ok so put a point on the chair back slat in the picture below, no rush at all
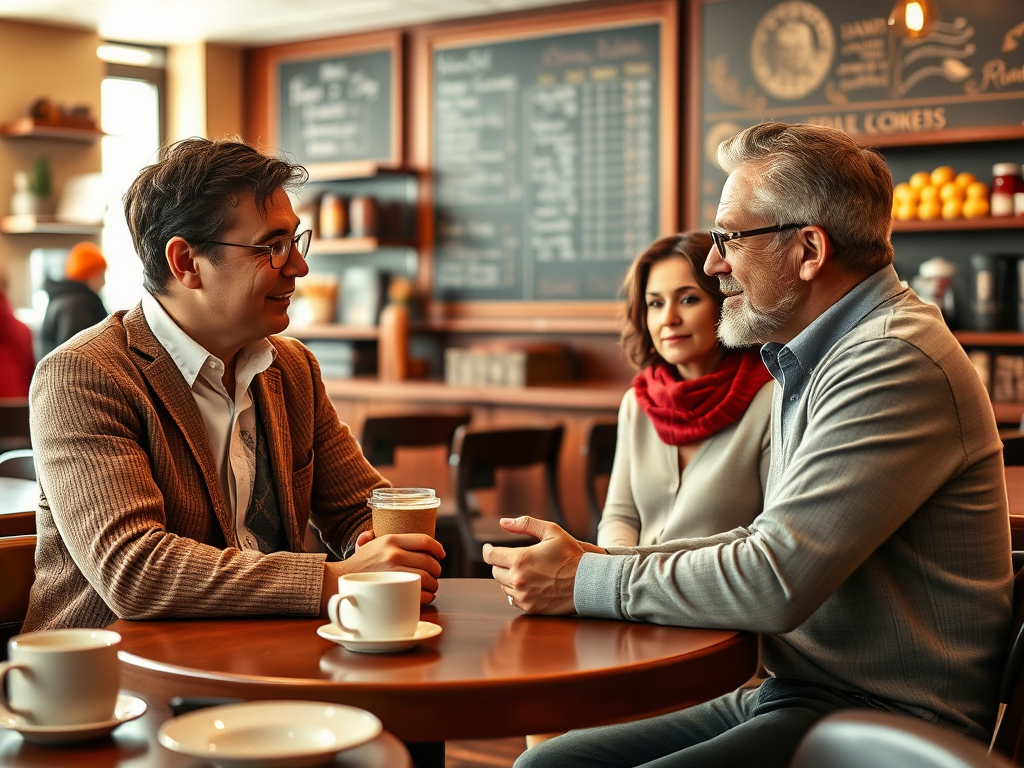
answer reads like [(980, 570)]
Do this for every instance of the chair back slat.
[(17, 573), (383, 434), (599, 455), (18, 463)]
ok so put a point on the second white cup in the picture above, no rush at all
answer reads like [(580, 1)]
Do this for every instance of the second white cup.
[(377, 605), (61, 677)]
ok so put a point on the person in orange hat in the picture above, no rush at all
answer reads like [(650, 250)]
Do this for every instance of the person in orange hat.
[(75, 303)]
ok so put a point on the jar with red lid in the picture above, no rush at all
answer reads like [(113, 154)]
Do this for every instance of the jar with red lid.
[(1006, 185)]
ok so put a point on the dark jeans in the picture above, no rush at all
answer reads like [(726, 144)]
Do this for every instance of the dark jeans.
[(748, 727)]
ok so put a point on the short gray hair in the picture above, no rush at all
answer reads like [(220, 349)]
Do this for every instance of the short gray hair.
[(811, 174)]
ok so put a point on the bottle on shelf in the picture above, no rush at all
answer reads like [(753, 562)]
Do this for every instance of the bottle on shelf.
[(333, 222), (1006, 185)]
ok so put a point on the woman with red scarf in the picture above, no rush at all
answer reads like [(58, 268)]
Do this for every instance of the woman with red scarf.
[(693, 432)]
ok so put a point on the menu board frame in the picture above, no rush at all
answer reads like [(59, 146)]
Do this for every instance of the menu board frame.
[(850, 115), (264, 66), (529, 26)]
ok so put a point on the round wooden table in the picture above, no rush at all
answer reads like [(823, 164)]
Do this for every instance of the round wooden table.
[(493, 672), (134, 745)]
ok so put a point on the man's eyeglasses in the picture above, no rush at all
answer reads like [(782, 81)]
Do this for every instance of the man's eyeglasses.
[(279, 250), (721, 238)]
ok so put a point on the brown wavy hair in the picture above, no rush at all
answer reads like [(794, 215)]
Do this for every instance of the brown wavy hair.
[(692, 246)]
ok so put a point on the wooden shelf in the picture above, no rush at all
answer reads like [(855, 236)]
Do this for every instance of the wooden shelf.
[(954, 136), (342, 245), (990, 338), (581, 395), (597, 326), (353, 169), (45, 225), (27, 128), (332, 331), (953, 225)]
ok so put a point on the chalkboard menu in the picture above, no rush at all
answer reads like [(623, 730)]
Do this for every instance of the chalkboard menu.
[(838, 63), (337, 109), (546, 161)]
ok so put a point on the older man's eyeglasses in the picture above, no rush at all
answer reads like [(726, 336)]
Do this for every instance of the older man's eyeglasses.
[(279, 250), (721, 238)]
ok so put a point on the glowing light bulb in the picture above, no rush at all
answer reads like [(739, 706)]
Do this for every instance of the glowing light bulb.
[(915, 17)]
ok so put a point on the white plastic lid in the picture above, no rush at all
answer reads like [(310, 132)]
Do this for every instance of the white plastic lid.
[(937, 267)]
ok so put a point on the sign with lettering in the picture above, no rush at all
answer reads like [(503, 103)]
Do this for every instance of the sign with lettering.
[(336, 109), (545, 153), (840, 64)]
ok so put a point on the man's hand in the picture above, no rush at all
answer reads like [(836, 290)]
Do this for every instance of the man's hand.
[(412, 552), (539, 578)]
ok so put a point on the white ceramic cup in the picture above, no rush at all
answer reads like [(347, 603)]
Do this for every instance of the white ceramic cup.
[(61, 677), (377, 605)]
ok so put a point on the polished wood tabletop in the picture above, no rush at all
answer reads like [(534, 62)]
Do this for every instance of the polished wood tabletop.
[(134, 745), (17, 495), (493, 671)]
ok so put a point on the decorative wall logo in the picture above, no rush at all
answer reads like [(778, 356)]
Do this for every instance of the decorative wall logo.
[(792, 49)]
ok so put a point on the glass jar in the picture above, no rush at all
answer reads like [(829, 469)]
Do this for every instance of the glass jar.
[(1006, 185)]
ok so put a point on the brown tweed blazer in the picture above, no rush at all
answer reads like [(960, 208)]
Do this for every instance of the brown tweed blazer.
[(132, 521)]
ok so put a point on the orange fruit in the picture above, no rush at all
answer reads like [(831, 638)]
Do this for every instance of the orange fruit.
[(975, 208), (929, 209), (929, 194), (951, 209), (965, 179), (906, 211), (942, 175), (920, 179), (950, 191), (977, 190)]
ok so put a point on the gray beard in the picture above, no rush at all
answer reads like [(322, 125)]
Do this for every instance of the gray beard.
[(745, 325)]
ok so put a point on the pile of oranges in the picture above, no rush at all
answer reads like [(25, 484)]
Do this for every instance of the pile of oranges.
[(943, 193)]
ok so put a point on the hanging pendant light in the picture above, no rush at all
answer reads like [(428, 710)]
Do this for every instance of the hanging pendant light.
[(913, 18)]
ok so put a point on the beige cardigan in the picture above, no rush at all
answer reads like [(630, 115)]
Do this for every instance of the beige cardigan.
[(132, 521)]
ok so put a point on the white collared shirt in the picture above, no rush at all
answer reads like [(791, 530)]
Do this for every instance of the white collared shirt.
[(229, 418)]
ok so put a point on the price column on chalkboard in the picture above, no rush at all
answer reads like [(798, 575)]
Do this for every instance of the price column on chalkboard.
[(545, 155)]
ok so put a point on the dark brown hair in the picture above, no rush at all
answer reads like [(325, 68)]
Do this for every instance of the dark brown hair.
[(692, 246), (190, 194)]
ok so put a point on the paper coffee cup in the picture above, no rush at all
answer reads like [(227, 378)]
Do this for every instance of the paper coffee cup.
[(404, 510)]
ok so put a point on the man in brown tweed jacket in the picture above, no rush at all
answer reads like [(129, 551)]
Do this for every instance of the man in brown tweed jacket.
[(182, 447)]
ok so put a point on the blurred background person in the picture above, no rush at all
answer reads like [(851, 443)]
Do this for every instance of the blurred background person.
[(693, 445), (17, 361), (75, 303)]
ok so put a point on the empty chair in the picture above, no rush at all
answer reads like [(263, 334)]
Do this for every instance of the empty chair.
[(476, 457), (860, 738), (14, 432), (18, 463), (18, 524), (599, 454), (17, 572), (383, 434), (1008, 737)]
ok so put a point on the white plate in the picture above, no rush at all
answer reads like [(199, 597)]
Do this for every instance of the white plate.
[(424, 629), (261, 734), (127, 708)]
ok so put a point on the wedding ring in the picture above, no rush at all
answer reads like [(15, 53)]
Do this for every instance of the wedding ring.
[(510, 600)]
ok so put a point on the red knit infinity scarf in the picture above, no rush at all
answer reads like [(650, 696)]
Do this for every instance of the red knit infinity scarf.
[(686, 412)]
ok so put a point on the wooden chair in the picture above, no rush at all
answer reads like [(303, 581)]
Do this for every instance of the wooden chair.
[(14, 431), (858, 738), (18, 524), (17, 572), (1008, 736), (598, 456), (476, 457), (382, 435), (18, 463)]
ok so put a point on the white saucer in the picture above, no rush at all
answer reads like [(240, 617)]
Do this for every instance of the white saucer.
[(266, 734), (127, 708), (424, 629)]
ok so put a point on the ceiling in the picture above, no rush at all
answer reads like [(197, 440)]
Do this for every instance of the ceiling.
[(248, 22)]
